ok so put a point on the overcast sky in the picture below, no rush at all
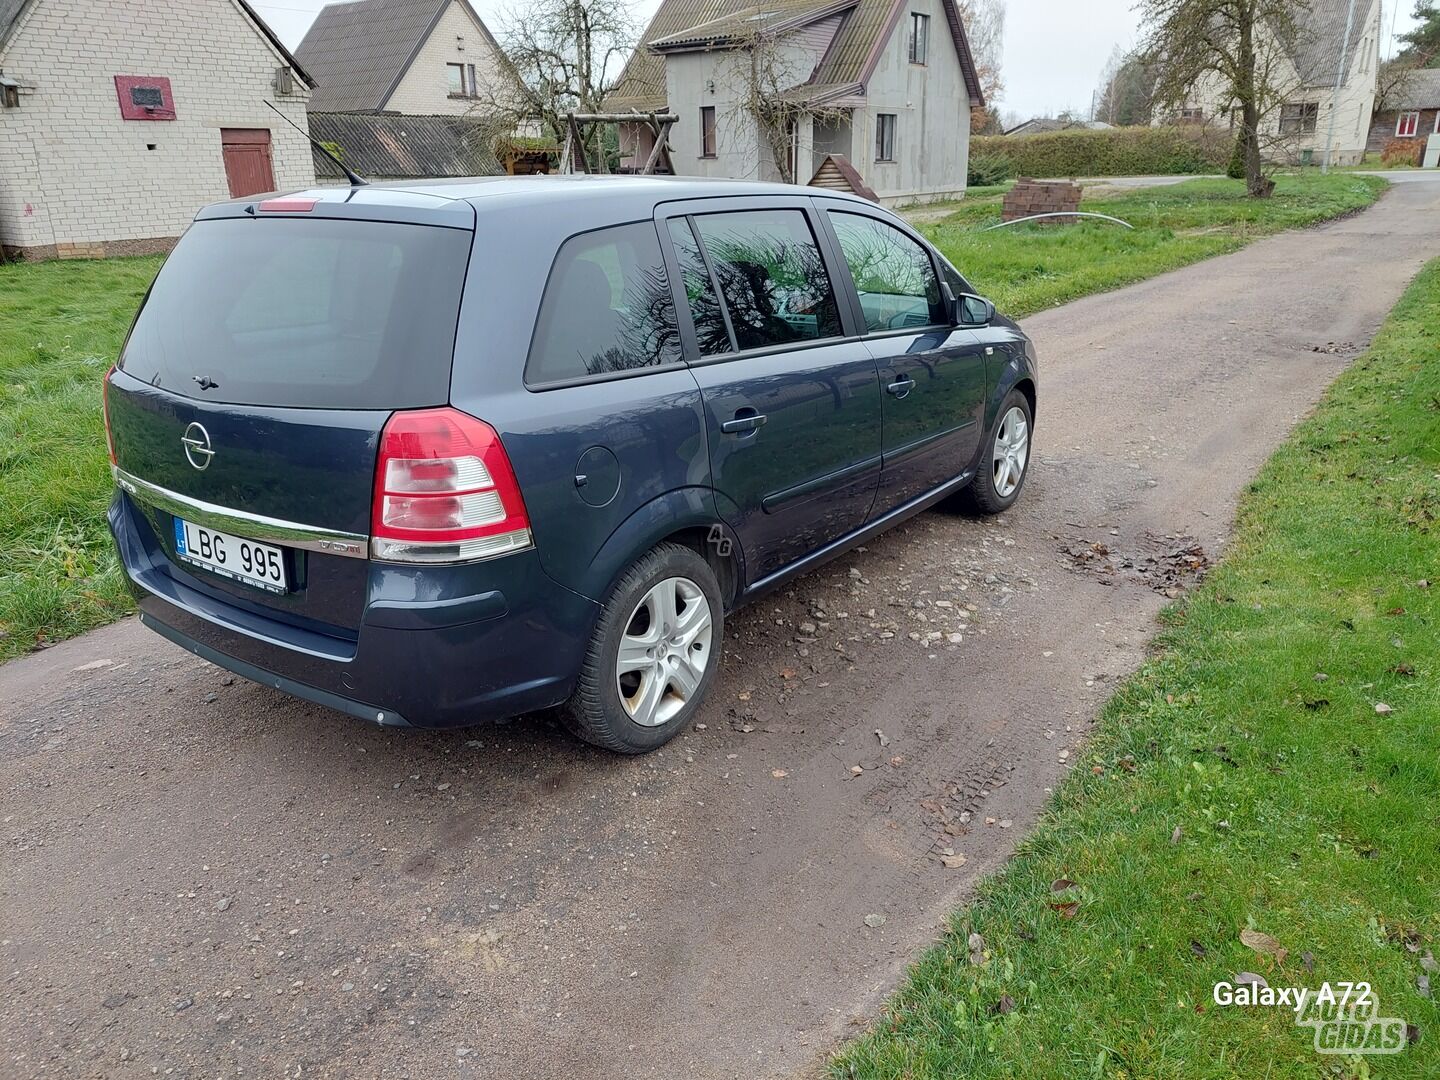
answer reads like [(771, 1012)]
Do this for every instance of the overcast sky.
[(1054, 49)]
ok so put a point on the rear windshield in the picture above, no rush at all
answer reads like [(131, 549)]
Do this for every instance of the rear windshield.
[(307, 313)]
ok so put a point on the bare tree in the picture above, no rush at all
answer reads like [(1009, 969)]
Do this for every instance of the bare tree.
[(1241, 45), (563, 56), (1126, 91), (984, 23)]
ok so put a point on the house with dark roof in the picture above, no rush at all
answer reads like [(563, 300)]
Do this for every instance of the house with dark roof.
[(118, 120), (1410, 113), (403, 87), (1329, 42), (878, 90)]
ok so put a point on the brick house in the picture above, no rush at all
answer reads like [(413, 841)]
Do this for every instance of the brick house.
[(118, 120), (1412, 114)]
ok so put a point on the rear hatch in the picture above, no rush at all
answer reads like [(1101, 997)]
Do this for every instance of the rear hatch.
[(254, 385)]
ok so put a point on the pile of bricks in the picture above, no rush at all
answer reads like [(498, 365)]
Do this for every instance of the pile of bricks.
[(1030, 197)]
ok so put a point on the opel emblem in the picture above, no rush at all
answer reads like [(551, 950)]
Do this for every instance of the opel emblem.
[(196, 441)]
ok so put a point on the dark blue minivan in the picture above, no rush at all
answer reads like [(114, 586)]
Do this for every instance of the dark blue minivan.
[(436, 454)]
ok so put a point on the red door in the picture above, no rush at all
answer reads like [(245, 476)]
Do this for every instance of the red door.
[(247, 161)]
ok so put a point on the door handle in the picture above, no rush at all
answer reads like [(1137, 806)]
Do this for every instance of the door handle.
[(901, 386), (746, 421)]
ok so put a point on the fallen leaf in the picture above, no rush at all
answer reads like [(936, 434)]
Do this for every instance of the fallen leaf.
[(1249, 978), (1264, 944), (1175, 836), (952, 862), (1060, 884), (779, 774), (1199, 950), (787, 673), (857, 770), (1004, 1005), (1308, 959), (884, 739), (873, 921), (1422, 983), (1066, 910), (1382, 709), (897, 760)]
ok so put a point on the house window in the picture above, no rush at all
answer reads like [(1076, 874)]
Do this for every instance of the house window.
[(1408, 125), (707, 131), (884, 136), (1191, 116), (461, 80), (1299, 118), (919, 38)]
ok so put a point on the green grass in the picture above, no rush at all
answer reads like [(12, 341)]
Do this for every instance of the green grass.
[(61, 324), (1303, 812), (1026, 268)]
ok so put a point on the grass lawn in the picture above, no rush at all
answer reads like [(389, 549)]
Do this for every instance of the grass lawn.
[(1025, 268), (1274, 768), (61, 325)]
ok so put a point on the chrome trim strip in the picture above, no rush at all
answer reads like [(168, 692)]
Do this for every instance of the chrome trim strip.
[(251, 526)]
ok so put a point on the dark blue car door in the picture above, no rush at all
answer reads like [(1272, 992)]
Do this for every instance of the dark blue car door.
[(933, 374), (791, 396)]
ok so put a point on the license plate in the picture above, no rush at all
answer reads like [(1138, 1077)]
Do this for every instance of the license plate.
[(260, 565)]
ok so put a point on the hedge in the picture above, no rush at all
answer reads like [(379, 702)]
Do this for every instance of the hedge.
[(1129, 151)]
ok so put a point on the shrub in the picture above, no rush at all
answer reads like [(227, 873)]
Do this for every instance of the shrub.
[(1401, 152), (988, 170), (1236, 169), (1132, 151)]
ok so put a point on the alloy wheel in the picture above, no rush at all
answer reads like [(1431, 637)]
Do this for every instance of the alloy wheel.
[(1011, 453), (664, 651)]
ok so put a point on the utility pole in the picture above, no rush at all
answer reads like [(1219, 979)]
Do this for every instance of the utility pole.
[(1339, 81)]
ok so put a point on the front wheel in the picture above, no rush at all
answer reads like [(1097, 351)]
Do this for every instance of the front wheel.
[(653, 655), (1006, 460)]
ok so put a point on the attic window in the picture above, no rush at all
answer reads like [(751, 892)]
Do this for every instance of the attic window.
[(145, 97)]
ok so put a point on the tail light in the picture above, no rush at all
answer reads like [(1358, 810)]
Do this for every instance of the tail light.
[(105, 411), (445, 491)]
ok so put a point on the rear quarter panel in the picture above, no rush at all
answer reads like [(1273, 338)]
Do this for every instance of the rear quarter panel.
[(653, 423)]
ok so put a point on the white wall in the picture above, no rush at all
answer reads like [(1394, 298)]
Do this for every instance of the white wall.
[(932, 108), (73, 171), (424, 89), (1351, 109)]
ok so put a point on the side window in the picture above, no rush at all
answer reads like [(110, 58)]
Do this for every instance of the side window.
[(771, 276), (714, 339), (893, 274), (606, 308)]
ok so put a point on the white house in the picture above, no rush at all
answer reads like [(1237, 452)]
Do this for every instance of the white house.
[(118, 120), (412, 57), (885, 87), (1306, 68)]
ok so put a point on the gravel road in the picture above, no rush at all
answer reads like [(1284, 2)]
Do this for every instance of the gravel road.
[(201, 878)]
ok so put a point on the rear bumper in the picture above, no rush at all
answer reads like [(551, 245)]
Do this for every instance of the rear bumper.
[(511, 642)]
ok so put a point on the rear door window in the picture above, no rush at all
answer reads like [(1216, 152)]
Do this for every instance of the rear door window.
[(320, 313), (607, 308), (711, 332), (771, 276), (893, 275)]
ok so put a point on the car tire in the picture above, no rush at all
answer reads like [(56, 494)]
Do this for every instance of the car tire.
[(996, 486), (639, 703)]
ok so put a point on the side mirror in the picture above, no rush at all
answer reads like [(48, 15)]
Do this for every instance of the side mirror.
[(971, 310)]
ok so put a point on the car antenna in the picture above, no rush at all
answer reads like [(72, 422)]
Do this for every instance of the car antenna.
[(356, 180)]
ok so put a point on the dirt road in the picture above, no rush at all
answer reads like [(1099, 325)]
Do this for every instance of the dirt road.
[(200, 876)]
